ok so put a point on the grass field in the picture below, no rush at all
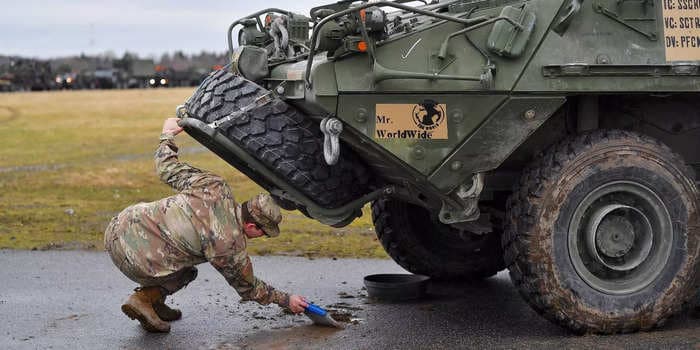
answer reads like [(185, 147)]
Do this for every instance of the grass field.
[(71, 160)]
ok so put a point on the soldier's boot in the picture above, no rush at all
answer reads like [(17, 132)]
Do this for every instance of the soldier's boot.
[(139, 307), (174, 282), (165, 312)]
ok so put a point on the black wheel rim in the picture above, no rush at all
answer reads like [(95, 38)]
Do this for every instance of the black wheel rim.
[(620, 238)]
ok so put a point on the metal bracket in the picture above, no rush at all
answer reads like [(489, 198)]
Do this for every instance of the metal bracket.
[(615, 17), (469, 196), (331, 129), (259, 102), (620, 70), (564, 20), (181, 111)]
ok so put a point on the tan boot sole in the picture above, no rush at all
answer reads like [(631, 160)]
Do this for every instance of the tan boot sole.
[(135, 314)]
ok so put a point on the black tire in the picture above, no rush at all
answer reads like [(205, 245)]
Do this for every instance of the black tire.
[(421, 244), (602, 233), (286, 141)]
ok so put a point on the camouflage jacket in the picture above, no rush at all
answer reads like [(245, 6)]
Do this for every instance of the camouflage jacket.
[(201, 223)]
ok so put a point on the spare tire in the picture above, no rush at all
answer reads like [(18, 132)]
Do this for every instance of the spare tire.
[(286, 141)]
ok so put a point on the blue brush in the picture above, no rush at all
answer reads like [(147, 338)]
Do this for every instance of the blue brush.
[(321, 317)]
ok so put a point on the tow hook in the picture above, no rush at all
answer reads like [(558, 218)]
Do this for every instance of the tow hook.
[(331, 129), (467, 208)]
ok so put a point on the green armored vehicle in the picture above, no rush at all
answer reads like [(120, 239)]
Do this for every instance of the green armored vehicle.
[(556, 138)]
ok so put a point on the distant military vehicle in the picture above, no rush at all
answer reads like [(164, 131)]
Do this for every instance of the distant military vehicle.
[(140, 73), (5, 83), (67, 81), (556, 138), (29, 75)]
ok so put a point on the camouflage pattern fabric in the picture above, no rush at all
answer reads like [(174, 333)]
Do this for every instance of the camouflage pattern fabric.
[(153, 242), (266, 213)]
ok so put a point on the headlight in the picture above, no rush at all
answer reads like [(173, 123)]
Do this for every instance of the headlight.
[(69, 80), (163, 81), (152, 82), (58, 80)]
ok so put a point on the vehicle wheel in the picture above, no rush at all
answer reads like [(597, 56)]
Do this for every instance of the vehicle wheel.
[(282, 138), (602, 233), (421, 244)]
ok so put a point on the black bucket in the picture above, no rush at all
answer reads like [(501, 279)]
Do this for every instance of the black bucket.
[(396, 287)]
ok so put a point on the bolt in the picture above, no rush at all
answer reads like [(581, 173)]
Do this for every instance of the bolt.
[(419, 152), (457, 116), (530, 115), (361, 116), (456, 166)]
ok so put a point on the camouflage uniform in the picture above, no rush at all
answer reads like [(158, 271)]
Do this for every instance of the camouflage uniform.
[(159, 243)]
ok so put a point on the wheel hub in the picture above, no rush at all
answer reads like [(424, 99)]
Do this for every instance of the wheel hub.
[(619, 237), (615, 236)]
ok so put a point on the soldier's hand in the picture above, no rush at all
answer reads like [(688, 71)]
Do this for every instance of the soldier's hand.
[(297, 304), (170, 126)]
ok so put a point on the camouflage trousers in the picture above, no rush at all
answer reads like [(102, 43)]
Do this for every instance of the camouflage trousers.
[(114, 245)]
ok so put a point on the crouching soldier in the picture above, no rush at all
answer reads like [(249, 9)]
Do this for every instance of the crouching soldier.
[(158, 244)]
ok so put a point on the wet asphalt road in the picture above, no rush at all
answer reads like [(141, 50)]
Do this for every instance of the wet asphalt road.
[(70, 300)]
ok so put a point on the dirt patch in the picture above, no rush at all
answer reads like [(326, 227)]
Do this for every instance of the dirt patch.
[(8, 114)]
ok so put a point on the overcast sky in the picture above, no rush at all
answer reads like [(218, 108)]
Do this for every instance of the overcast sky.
[(56, 28)]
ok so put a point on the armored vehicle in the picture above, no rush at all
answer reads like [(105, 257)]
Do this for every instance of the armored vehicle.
[(556, 138)]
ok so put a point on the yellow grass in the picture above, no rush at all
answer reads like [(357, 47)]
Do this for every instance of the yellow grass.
[(71, 160)]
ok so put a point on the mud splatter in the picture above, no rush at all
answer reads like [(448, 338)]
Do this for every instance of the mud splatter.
[(341, 315), (344, 306), (344, 295)]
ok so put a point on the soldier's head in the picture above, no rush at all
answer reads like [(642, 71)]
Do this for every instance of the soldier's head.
[(261, 216)]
